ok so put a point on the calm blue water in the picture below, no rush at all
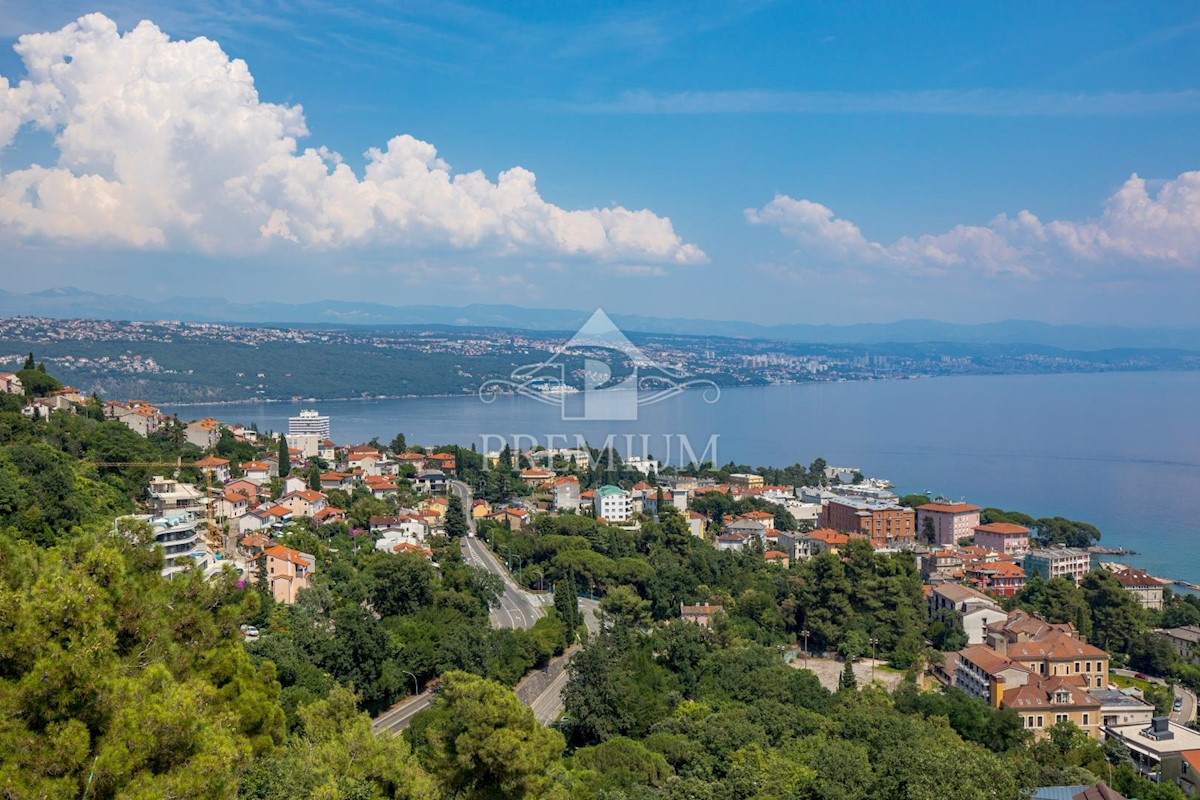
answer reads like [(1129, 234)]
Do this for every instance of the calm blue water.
[(1120, 450)]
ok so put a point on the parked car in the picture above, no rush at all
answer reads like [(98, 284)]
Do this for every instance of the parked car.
[(1179, 704), (249, 631)]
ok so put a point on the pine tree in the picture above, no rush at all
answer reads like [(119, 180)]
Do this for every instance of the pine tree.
[(314, 478), (285, 459), (848, 681), (566, 603), (28, 362), (42, 367)]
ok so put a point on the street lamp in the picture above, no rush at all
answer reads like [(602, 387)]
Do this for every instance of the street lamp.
[(416, 686), (804, 633), (874, 642)]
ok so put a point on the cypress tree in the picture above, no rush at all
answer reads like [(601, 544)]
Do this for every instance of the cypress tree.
[(848, 681), (285, 460), (28, 361)]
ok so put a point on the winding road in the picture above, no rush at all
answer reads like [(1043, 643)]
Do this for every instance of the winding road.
[(517, 609)]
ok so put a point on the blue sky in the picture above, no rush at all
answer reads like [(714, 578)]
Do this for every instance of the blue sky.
[(763, 161)]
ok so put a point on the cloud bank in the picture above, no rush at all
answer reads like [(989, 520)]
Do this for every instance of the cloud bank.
[(1160, 229), (166, 144)]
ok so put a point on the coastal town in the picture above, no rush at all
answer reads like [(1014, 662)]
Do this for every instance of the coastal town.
[(238, 512), (190, 362)]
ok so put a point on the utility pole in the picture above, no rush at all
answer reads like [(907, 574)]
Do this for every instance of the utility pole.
[(416, 686)]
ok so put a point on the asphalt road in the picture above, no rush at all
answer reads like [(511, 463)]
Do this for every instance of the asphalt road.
[(1186, 713), (518, 609)]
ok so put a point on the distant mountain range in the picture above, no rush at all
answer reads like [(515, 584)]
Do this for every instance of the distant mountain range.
[(70, 303)]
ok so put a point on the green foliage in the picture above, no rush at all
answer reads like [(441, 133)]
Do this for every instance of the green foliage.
[(456, 519), (479, 741), (37, 383), (847, 681), (109, 670), (334, 754), (914, 500), (285, 458)]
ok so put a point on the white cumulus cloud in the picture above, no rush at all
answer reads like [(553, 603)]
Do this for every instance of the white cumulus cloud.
[(166, 144), (1137, 226)]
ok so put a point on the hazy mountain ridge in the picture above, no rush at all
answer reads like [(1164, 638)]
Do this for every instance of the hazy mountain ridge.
[(71, 303)]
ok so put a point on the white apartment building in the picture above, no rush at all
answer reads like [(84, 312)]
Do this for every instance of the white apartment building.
[(179, 535), (308, 423), (169, 496), (614, 504)]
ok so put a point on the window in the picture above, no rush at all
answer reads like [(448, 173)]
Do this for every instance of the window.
[(1076, 667), (1086, 718), (1039, 721), (1029, 721), (1061, 717)]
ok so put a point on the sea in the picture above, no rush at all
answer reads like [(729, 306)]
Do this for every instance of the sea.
[(1118, 450)]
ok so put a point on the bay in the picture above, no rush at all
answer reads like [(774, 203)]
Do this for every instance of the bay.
[(1119, 450)]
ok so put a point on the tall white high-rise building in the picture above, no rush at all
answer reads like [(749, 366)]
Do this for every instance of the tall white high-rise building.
[(309, 423)]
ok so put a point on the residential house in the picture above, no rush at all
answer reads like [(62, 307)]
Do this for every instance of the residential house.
[(257, 472), (329, 514), (215, 468), (1003, 537), (1000, 577), (777, 557), (327, 451), (142, 418), (253, 491), (517, 518), (446, 462), (431, 481), (480, 509), (566, 493), (230, 505), (697, 522), (10, 383), (294, 484), (288, 572), (368, 462), (535, 476), (252, 545), (265, 517), (1185, 641), (732, 541), (303, 503), (414, 460), (381, 486), (1058, 562), (1146, 588), (950, 521), (750, 528), (822, 540), (974, 610), (167, 496), (699, 615), (337, 480), (204, 433)]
